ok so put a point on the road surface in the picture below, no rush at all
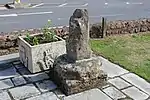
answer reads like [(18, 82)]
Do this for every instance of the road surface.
[(59, 11)]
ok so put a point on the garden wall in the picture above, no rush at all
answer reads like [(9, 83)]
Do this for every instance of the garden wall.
[(8, 41), (121, 27)]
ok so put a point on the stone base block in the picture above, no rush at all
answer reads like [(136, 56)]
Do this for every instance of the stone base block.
[(78, 76)]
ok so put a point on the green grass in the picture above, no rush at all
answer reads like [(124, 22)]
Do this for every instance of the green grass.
[(130, 51)]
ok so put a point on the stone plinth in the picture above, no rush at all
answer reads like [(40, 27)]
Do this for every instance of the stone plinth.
[(79, 76)]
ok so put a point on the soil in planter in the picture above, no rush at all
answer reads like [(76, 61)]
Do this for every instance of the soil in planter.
[(41, 40)]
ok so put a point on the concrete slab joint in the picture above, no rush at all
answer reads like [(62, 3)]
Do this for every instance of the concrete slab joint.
[(77, 70)]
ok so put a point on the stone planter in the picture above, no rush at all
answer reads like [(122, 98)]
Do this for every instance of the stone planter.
[(40, 57)]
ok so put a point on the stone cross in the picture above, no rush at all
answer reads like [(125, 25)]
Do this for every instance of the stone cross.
[(77, 44), (78, 71)]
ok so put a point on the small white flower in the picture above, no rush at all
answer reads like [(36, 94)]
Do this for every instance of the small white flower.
[(49, 20), (127, 3), (106, 3)]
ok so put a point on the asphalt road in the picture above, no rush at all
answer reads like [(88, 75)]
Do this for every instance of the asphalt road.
[(59, 11)]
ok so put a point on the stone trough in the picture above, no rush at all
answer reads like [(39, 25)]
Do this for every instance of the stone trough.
[(40, 57)]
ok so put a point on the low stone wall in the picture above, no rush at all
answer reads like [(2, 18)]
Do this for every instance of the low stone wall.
[(9, 40), (121, 27), (113, 27)]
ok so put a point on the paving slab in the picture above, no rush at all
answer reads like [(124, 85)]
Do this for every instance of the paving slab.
[(93, 94), (114, 93), (7, 71), (45, 96), (24, 91), (59, 94), (138, 82), (19, 80), (37, 77), (105, 86), (33, 77), (19, 66), (119, 83), (4, 96), (7, 83), (127, 98), (135, 93), (46, 85), (24, 71), (69, 98), (112, 69)]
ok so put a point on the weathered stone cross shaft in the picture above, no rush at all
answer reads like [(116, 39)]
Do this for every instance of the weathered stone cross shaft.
[(78, 41)]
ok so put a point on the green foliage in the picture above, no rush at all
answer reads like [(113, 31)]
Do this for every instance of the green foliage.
[(49, 34), (134, 35), (17, 1), (61, 98), (28, 37), (35, 41)]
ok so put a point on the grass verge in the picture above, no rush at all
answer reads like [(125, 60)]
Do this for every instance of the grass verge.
[(131, 51)]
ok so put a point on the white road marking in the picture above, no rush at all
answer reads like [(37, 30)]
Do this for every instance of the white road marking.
[(77, 6), (23, 14), (9, 15), (62, 18), (36, 13), (59, 18), (136, 3), (69, 5), (86, 4), (9, 22), (38, 5), (52, 3), (62, 5)]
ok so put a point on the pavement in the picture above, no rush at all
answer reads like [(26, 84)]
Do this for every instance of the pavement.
[(17, 83), (59, 11)]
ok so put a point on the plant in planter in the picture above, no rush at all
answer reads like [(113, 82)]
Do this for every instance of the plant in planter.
[(47, 36), (38, 52), (17, 1)]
